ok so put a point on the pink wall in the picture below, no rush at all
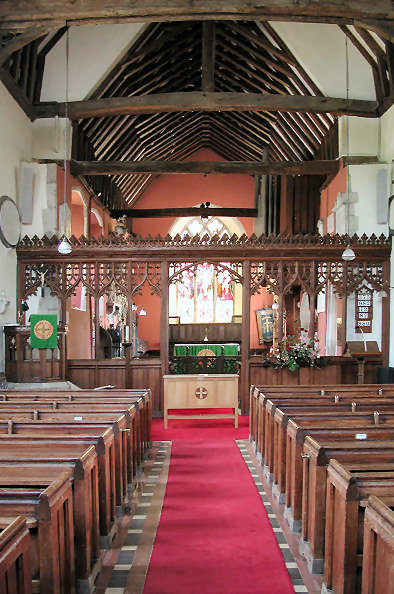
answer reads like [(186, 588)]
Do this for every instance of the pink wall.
[(171, 191), (77, 219), (73, 204), (149, 325)]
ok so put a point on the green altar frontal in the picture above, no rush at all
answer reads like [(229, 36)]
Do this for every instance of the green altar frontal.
[(205, 358), (206, 350)]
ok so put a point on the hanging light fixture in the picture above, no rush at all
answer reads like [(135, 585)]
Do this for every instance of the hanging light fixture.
[(64, 247), (348, 253)]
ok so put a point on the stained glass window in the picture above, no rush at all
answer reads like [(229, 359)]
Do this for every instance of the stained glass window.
[(203, 293)]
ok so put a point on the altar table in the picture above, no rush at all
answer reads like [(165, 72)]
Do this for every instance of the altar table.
[(201, 391)]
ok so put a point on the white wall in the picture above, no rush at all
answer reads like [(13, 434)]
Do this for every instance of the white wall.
[(373, 138), (321, 50), (15, 146), (93, 50), (49, 140), (364, 136), (387, 154)]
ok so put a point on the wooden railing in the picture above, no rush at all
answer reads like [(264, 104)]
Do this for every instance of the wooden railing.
[(185, 365)]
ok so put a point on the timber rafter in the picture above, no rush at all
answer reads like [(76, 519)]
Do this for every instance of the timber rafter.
[(195, 79)]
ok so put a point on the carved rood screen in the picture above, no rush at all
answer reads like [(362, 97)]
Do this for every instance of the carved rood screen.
[(277, 263), (66, 279)]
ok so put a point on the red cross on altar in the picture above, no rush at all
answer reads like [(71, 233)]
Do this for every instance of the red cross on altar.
[(201, 393)]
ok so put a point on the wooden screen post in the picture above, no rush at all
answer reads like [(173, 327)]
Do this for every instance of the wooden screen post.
[(164, 329), (245, 338)]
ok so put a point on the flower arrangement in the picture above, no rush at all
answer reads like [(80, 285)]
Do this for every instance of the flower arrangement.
[(294, 352)]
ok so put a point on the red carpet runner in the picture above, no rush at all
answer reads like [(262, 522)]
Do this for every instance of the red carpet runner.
[(214, 536)]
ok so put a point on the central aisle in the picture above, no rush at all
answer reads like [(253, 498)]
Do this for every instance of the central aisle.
[(214, 535)]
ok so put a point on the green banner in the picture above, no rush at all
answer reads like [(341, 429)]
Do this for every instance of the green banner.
[(43, 331)]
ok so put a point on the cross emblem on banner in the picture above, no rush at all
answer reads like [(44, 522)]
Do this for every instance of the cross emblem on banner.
[(201, 393)]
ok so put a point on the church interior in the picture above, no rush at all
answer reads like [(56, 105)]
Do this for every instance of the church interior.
[(196, 312)]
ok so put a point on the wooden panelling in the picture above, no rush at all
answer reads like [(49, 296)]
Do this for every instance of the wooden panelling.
[(187, 333), (147, 374), (138, 373), (335, 370)]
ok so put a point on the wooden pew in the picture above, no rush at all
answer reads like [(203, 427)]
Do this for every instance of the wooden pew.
[(122, 444), (330, 389), (15, 558), (263, 416), (258, 396), (48, 510), (315, 462), (103, 437), (288, 445), (378, 548), (315, 405), (23, 461), (347, 494), (141, 397), (138, 437), (135, 452), (344, 410), (289, 431)]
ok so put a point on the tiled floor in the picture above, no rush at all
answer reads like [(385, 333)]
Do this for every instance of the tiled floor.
[(125, 565)]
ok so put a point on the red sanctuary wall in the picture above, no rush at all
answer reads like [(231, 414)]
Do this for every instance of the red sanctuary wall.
[(172, 191), (329, 196), (77, 220), (73, 183)]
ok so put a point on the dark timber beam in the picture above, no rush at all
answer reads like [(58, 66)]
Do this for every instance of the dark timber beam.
[(142, 213), (18, 12), (34, 32), (185, 167), (206, 101)]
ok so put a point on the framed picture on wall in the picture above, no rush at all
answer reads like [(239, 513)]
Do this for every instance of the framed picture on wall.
[(265, 324)]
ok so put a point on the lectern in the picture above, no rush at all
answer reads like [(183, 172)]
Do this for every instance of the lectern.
[(362, 351)]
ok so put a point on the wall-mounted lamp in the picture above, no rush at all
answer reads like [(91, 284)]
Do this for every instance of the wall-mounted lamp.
[(3, 302), (348, 254)]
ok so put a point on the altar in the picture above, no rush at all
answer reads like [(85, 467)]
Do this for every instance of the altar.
[(206, 349), (205, 358), (200, 391)]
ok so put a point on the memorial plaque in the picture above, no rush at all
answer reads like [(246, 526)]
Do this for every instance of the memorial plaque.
[(364, 310)]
